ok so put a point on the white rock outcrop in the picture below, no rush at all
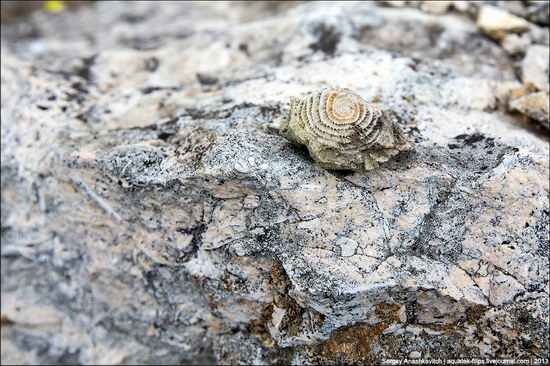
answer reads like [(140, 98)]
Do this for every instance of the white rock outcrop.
[(151, 213), (497, 23)]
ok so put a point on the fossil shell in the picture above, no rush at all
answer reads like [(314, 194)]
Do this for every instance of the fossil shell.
[(342, 131)]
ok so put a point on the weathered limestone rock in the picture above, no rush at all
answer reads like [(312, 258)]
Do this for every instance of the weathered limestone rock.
[(520, 91), (151, 213), (515, 44), (436, 7), (535, 67), (534, 105), (497, 23)]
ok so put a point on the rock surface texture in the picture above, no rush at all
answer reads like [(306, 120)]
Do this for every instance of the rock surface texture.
[(151, 213)]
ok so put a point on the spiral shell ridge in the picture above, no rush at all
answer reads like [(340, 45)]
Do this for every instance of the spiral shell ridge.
[(343, 131)]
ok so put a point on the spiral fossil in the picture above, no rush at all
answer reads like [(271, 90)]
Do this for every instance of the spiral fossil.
[(342, 131)]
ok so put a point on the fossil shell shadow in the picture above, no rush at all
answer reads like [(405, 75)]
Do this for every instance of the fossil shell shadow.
[(342, 131)]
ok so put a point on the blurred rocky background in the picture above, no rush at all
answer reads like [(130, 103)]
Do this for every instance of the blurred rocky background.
[(151, 213)]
